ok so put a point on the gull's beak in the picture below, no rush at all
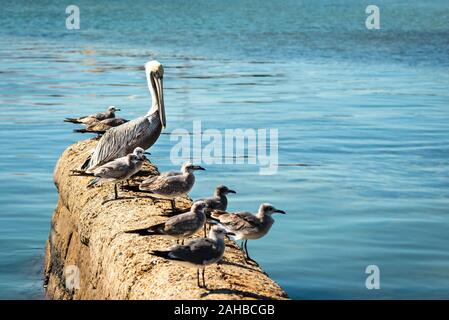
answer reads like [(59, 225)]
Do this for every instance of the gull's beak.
[(231, 191), (279, 211), (198, 168), (230, 233), (160, 97)]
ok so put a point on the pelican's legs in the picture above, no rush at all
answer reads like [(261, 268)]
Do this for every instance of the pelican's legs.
[(205, 230), (173, 204)]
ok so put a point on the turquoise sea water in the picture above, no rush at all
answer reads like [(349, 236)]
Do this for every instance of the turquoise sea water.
[(367, 111)]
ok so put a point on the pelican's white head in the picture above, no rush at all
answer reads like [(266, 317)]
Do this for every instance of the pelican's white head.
[(154, 66), (155, 73)]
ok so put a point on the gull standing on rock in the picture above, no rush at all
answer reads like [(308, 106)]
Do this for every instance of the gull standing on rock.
[(198, 253), (87, 120), (119, 169), (247, 226), (100, 127), (141, 132), (170, 185), (218, 202), (180, 226)]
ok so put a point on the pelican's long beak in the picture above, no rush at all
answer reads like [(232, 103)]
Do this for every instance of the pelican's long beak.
[(279, 211), (231, 191), (160, 97)]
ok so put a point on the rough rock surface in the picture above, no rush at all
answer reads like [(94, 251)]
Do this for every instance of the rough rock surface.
[(114, 265)]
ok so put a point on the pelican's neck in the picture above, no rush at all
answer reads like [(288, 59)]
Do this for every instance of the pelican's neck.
[(154, 102)]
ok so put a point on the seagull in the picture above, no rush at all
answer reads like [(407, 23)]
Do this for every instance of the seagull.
[(119, 169), (100, 127), (218, 202), (170, 185), (87, 120), (141, 132), (198, 253), (180, 226), (245, 225)]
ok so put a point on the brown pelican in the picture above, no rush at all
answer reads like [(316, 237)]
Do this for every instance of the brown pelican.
[(119, 169), (100, 127), (180, 226), (198, 253), (141, 132), (245, 225), (87, 120)]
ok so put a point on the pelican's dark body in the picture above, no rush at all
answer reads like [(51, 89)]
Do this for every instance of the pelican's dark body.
[(119, 141)]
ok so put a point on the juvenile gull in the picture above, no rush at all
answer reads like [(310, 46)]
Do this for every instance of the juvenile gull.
[(247, 226), (141, 132), (170, 185), (180, 226), (218, 202), (100, 127), (119, 169), (87, 120), (198, 253)]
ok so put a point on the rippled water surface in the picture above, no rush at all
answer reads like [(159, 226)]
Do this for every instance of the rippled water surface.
[(365, 112)]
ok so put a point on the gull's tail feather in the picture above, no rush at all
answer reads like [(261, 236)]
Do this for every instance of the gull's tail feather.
[(211, 219), (150, 231), (85, 165), (93, 182), (89, 131), (82, 173), (72, 120), (161, 254), (216, 213), (131, 188)]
